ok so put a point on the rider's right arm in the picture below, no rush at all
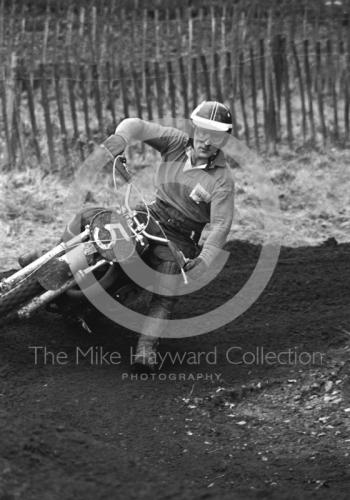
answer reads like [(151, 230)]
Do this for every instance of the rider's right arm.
[(159, 137), (163, 139), (103, 154)]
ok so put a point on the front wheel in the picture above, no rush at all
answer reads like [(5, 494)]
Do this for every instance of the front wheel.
[(18, 295)]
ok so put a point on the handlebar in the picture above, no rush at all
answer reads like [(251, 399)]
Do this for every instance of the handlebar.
[(120, 165)]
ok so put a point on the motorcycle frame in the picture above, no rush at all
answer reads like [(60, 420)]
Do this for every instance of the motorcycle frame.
[(27, 310), (20, 275)]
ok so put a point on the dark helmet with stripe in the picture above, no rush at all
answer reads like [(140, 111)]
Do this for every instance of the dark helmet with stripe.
[(212, 115)]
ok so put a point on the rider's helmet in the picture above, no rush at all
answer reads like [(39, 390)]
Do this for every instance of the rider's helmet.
[(212, 115)]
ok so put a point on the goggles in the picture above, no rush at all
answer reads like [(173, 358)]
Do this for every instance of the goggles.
[(212, 137)]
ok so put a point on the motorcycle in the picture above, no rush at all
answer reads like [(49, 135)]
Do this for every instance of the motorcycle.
[(56, 279)]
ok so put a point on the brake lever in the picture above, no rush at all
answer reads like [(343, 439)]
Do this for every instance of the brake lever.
[(180, 259), (120, 165)]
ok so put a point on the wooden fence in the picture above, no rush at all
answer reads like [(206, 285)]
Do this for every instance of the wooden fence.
[(286, 79), (94, 30)]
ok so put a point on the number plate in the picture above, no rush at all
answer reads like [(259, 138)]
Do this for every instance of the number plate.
[(112, 236)]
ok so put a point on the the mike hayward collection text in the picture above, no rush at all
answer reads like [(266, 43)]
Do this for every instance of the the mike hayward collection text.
[(234, 355)]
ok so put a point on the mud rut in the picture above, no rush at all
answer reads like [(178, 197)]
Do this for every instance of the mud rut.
[(279, 431)]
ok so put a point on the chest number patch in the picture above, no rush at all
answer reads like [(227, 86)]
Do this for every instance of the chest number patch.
[(199, 194)]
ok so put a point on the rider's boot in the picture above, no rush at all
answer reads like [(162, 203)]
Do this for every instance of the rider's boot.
[(161, 307), (145, 358)]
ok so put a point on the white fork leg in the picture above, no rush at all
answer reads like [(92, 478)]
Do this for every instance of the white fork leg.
[(6, 283), (27, 310)]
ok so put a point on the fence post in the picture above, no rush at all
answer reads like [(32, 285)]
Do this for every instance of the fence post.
[(157, 30), (27, 80), (85, 103), (179, 29), (22, 45), (159, 89), (97, 94), (71, 95), (136, 85), (69, 29), (194, 83), (308, 80), (108, 39), (94, 48), (190, 46), (254, 96), (124, 91), (270, 92), (329, 65), (60, 109), (46, 33), (227, 75), (5, 118), (319, 90), (271, 115), (144, 45), (301, 88), (200, 30), (171, 91), (278, 55), (33, 45), (228, 78), (55, 57), (183, 83), (223, 28), (10, 100), (218, 92), (263, 82), (18, 123), (242, 97), (148, 94), (288, 99), (47, 117), (81, 33), (167, 32), (110, 92), (333, 67), (213, 47), (205, 76)]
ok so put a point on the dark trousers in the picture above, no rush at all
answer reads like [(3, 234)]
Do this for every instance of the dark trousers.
[(163, 261), (159, 258), (160, 306)]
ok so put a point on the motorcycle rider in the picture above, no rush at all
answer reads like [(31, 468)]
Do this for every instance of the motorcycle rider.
[(194, 186)]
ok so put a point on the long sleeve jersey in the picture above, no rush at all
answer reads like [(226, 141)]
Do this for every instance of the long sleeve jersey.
[(204, 195)]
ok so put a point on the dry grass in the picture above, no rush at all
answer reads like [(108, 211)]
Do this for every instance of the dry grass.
[(313, 190)]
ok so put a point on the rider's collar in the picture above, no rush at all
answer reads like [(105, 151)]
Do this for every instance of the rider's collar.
[(217, 161)]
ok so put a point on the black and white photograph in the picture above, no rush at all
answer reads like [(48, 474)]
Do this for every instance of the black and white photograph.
[(174, 249)]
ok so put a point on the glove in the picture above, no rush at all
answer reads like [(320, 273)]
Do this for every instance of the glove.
[(197, 267), (95, 162), (115, 144)]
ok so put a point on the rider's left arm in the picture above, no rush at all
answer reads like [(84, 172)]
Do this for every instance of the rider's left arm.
[(221, 216)]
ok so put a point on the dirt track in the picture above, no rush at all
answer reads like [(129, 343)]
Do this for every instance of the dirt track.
[(261, 431)]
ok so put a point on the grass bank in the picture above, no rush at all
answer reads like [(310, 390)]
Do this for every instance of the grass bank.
[(312, 188)]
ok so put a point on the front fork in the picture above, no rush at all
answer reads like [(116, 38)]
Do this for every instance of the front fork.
[(27, 310), (72, 256), (7, 283)]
